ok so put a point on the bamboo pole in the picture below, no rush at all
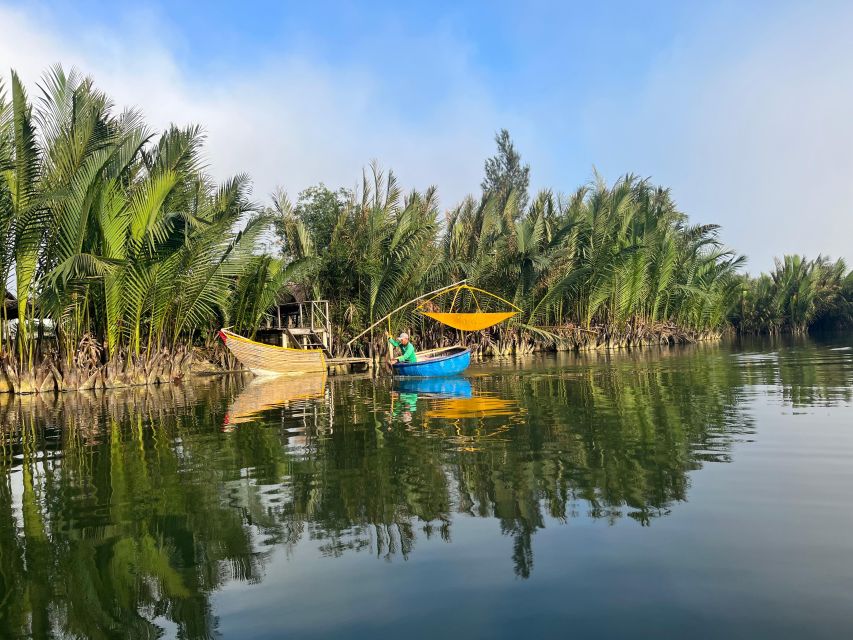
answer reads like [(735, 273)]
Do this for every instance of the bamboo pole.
[(403, 306)]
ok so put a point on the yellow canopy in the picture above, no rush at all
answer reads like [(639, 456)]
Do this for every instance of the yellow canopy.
[(470, 321), (467, 321)]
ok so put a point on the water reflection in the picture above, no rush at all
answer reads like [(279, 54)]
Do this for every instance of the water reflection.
[(407, 391), (265, 394), (454, 399), (122, 513), (452, 410), (448, 387), (808, 373), (111, 516)]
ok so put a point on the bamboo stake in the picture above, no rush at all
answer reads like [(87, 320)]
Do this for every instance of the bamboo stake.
[(426, 295)]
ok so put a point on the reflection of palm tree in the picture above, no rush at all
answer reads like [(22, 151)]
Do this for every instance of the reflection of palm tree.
[(158, 548), (14, 609), (166, 510), (522, 553)]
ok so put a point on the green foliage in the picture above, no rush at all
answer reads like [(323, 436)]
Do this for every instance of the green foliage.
[(318, 208), (603, 256), (606, 256), (798, 294), (111, 233), (505, 173)]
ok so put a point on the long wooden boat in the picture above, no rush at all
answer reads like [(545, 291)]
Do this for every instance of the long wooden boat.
[(269, 360), (438, 362)]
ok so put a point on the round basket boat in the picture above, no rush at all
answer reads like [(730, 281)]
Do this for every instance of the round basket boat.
[(440, 362)]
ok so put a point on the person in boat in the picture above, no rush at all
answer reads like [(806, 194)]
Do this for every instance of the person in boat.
[(405, 346)]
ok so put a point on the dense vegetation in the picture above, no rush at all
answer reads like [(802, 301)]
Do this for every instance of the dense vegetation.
[(606, 265), (796, 296), (122, 253), (116, 243)]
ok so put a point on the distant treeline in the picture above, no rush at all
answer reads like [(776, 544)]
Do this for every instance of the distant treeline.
[(797, 295), (120, 252), (605, 265)]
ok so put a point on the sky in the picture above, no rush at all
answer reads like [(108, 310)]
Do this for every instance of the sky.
[(744, 109)]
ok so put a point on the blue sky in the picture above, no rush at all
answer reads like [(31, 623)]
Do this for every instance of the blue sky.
[(742, 108)]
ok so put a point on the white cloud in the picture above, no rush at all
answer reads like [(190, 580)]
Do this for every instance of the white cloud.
[(746, 117), (286, 121), (753, 128)]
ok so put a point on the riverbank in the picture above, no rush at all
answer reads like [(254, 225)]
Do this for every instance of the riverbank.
[(86, 371)]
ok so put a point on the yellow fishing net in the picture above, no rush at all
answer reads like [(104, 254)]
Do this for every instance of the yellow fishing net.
[(471, 320)]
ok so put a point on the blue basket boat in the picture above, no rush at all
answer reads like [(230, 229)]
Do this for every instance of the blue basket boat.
[(440, 362)]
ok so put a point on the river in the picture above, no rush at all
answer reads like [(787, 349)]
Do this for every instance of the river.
[(702, 491)]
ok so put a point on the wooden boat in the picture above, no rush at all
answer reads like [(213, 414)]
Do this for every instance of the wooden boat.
[(437, 362), (269, 360)]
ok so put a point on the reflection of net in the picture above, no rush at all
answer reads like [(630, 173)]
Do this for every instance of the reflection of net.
[(470, 420), (261, 395), (476, 407)]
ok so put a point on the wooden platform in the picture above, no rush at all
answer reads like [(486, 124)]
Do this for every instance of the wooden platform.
[(338, 366)]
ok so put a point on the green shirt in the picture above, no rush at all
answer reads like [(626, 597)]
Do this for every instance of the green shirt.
[(408, 351)]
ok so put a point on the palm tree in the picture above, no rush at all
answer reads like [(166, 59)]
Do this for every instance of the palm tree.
[(112, 235), (121, 247), (382, 249), (798, 294)]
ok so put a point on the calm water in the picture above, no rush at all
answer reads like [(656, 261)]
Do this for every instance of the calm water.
[(703, 492)]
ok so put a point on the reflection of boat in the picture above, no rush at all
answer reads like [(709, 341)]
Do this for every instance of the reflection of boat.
[(452, 398), (269, 360), (263, 394), (455, 387), (438, 362)]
